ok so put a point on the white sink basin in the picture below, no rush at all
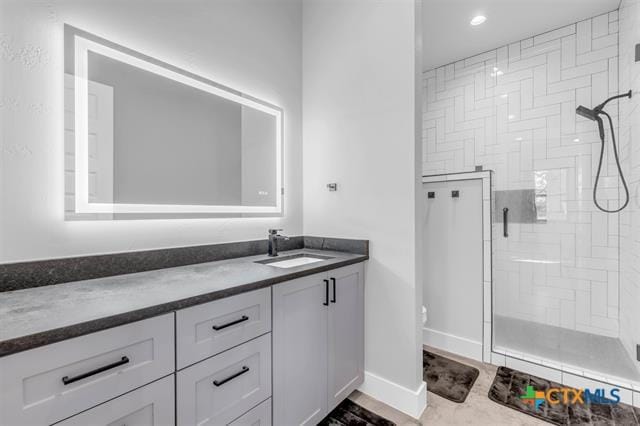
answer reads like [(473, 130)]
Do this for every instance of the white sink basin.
[(294, 260)]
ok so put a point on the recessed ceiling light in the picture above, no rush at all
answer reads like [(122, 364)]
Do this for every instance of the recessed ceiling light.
[(518, 139), (576, 140), (504, 96), (511, 117), (477, 20)]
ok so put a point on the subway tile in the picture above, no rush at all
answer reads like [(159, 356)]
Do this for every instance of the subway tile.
[(599, 86), (555, 34), (569, 84), (598, 298), (583, 36), (597, 55), (613, 75), (568, 52), (466, 122), (554, 66), (605, 41), (599, 26), (584, 70), (514, 52)]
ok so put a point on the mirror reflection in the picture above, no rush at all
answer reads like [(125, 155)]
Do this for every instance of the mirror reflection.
[(143, 137)]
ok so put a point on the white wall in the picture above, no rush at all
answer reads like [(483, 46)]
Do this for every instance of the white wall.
[(630, 154), (512, 110), (253, 46), (359, 130)]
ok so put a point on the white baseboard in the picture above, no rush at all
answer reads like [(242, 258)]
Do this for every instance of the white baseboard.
[(454, 344), (411, 402)]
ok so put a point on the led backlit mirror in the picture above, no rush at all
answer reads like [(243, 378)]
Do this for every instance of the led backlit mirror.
[(145, 139)]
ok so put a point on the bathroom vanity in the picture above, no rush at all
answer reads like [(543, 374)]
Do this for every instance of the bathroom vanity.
[(237, 341)]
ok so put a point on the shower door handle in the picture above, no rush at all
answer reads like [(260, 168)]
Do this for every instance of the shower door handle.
[(505, 222)]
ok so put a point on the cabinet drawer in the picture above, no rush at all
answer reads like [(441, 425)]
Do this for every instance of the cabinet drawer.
[(257, 416), (206, 330), (150, 405), (48, 384), (221, 389)]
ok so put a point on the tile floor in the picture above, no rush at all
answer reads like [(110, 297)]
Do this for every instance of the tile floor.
[(478, 409)]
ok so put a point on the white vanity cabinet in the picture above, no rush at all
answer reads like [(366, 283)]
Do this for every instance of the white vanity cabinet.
[(318, 344), (47, 384), (208, 329), (222, 388), (284, 355), (151, 405), (345, 333), (257, 416)]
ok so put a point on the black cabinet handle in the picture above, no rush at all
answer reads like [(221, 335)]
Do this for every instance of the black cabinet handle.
[(333, 281), (233, 376), (68, 380), (505, 222), (326, 293), (229, 324)]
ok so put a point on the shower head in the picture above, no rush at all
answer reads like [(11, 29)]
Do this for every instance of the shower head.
[(593, 114), (585, 112)]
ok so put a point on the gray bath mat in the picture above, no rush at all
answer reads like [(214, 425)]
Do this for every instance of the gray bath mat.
[(448, 378), (510, 386), (348, 413)]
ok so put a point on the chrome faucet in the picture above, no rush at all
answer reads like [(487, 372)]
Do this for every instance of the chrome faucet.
[(273, 241)]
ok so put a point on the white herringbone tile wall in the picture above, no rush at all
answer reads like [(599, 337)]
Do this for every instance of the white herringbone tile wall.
[(512, 110), (630, 153)]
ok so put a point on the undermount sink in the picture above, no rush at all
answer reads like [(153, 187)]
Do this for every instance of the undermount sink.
[(294, 260)]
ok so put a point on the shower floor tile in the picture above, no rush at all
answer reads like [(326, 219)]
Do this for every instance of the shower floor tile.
[(602, 355)]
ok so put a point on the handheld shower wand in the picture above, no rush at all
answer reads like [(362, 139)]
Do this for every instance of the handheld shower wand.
[(594, 115)]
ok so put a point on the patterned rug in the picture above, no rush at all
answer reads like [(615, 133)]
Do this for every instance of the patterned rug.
[(348, 413), (509, 385), (448, 378)]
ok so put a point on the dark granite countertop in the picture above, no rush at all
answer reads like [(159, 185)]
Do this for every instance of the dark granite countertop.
[(42, 315)]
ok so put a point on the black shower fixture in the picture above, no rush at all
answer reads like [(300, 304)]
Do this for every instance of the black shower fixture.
[(594, 115)]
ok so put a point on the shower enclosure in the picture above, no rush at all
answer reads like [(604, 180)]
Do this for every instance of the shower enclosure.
[(556, 271), (556, 264)]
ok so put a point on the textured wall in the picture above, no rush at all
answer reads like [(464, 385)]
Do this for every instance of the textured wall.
[(254, 46), (512, 110), (630, 150)]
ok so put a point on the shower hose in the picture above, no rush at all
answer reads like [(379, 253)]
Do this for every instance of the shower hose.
[(615, 153)]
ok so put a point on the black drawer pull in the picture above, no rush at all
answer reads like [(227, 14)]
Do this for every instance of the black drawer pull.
[(229, 324), (233, 376), (326, 293), (68, 380), (333, 299), (505, 222)]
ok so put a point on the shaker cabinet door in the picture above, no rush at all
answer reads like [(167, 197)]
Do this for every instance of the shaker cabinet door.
[(345, 333), (300, 310)]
